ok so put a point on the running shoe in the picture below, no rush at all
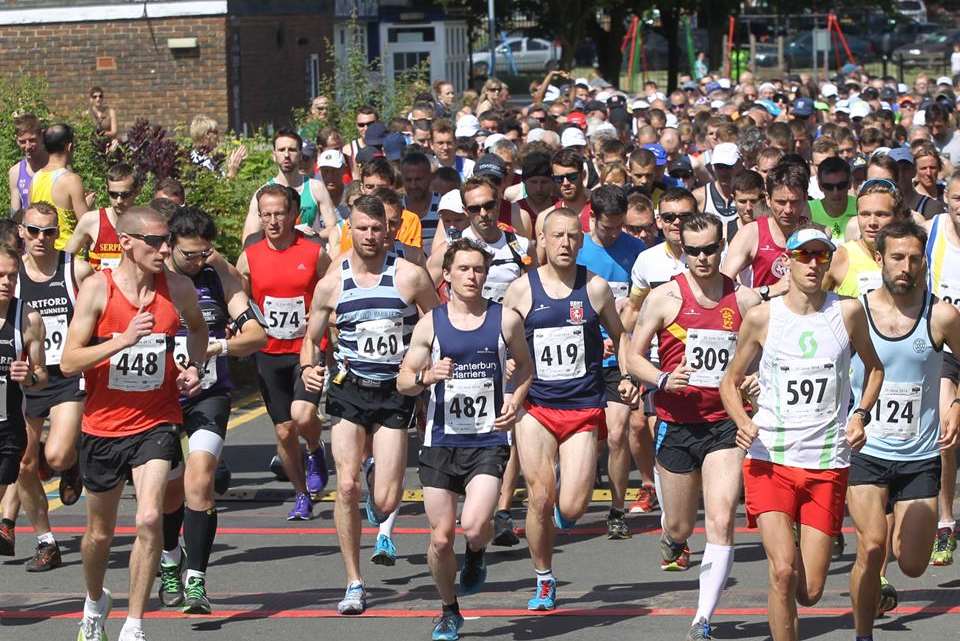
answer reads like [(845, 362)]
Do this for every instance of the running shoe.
[(302, 508), (354, 599), (447, 627), (8, 540), (170, 590), (617, 528), (839, 545), (91, 628), (45, 558), (369, 468), (222, 477), (545, 597), (276, 468), (560, 521), (132, 635), (473, 572), (888, 596), (943, 547), (699, 631), (195, 597), (385, 552), (71, 485), (646, 500), (316, 469), (674, 557), (503, 534)]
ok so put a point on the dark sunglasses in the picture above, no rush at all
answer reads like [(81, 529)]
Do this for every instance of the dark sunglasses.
[(119, 195), (571, 177), (155, 241), (49, 232), (498, 89), (706, 250), (671, 217), (490, 205), (636, 230), (361, 125), (841, 186)]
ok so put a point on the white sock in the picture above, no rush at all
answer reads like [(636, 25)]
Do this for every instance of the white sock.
[(714, 570), (656, 484), (950, 524), (170, 557), (46, 537), (196, 573), (93, 608), (386, 528), (544, 575), (131, 625)]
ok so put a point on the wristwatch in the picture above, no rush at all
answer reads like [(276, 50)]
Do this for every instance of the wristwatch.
[(864, 415), (418, 379), (764, 292)]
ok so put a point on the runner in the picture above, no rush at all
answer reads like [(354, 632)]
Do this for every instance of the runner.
[(900, 462), (457, 352), (415, 172), (539, 190), (749, 199), (279, 273), (366, 116), (29, 136), (444, 147), (122, 325), (716, 197), (695, 317), (568, 166), (837, 206), (97, 230), (222, 303), (57, 184), (563, 306), (375, 296), (610, 254), (798, 444)]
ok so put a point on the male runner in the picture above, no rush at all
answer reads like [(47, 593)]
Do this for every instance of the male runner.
[(563, 306), (223, 303), (57, 184), (120, 337), (696, 317), (900, 462), (375, 296), (610, 254), (540, 192), (366, 116), (29, 136), (716, 197), (415, 173), (97, 230), (798, 444), (837, 205), (444, 147), (279, 273), (457, 352), (567, 167)]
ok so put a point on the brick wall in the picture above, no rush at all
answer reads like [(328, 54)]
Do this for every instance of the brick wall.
[(149, 80)]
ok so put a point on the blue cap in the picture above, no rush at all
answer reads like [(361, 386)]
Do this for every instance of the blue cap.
[(712, 86), (393, 146), (803, 107), (901, 154), (806, 235), (770, 106), (658, 152), (375, 134)]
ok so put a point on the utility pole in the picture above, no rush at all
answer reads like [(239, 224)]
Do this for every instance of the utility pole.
[(493, 39)]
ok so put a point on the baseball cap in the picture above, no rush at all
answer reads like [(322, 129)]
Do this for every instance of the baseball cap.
[(901, 154), (671, 122), (726, 153), (870, 93), (451, 201), (907, 99), (601, 127), (888, 94), (375, 134), (551, 94), (943, 80), (680, 168), (717, 104), (712, 86), (767, 86), (595, 105), (828, 90), (639, 105), (493, 139), (689, 85), (582, 82), (308, 149), (393, 146), (658, 152), (467, 126), (368, 153), (842, 107), (724, 83), (490, 165), (616, 100), (571, 137), (770, 106), (902, 88), (860, 109), (803, 107), (806, 235), (536, 134), (577, 119), (331, 158)]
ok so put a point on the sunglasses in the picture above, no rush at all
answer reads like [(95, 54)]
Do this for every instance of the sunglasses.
[(97, 95), (490, 205), (841, 186), (495, 89), (821, 257), (706, 250), (119, 195), (155, 241), (362, 125), (203, 253), (671, 217), (636, 230), (571, 177), (49, 232)]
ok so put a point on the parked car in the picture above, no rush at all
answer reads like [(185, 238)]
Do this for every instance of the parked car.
[(520, 55), (798, 51), (931, 49), (914, 9)]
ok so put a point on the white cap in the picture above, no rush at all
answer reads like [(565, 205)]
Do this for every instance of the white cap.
[(639, 104), (902, 88), (724, 82), (726, 153), (660, 96), (551, 94), (884, 105), (717, 104), (943, 80), (536, 134), (828, 90), (601, 127), (602, 96), (492, 139), (582, 81), (467, 126), (880, 151), (671, 121), (451, 201), (842, 106), (920, 117), (572, 137), (860, 109), (767, 86), (331, 158)]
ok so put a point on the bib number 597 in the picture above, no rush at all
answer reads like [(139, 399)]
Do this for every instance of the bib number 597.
[(807, 390)]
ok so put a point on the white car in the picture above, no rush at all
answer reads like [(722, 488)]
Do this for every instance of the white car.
[(914, 9), (520, 55)]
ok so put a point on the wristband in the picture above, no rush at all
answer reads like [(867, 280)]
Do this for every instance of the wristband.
[(224, 347), (418, 379), (662, 381)]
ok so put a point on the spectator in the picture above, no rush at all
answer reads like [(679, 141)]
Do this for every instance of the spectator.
[(205, 134)]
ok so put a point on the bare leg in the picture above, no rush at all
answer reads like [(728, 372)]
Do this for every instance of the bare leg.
[(618, 455), (347, 442), (149, 482)]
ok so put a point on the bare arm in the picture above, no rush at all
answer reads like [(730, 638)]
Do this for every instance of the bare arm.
[(78, 354), (12, 177), (83, 235), (34, 357), (750, 340), (112, 131), (244, 268), (740, 253), (645, 329), (513, 334), (328, 212), (415, 280), (75, 194), (855, 318), (184, 296), (251, 223), (417, 360), (81, 270), (838, 270), (252, 336), (324, 294)]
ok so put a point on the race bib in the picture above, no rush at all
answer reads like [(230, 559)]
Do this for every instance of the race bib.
[(494, 292), (620, 290), (807, 392), (709, 352), (468, 406), (286, 317), (139, 368), (182, 357), (896, 414), (869, 281), (3, 399), (55, 333), (381, 340), (109, 262), (560, 353)]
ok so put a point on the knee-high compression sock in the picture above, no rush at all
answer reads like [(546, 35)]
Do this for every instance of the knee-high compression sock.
[(714, 570), (172, 521), (199, 531)]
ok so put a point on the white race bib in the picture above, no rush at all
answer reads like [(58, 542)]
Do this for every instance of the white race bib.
[(110, 262), (286, 317), (495, 292), (950, 293), (381, 340), (3, 398), (468, 405), (869, 281), (807, 392), (182, 357), (139, 368), (897, 412), (55, 333), (709, 352), (620, 290), (560, 353)]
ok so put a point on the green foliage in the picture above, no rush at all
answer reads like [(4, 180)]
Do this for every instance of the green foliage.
[(18, 95)]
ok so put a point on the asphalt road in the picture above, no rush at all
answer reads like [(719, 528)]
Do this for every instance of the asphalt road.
[(270, 579)]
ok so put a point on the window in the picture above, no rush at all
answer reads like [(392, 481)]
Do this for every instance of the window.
[(537, 45), (313, 75), (516, 46), (403, 61)]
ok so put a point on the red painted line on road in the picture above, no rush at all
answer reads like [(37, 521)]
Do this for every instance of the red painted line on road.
[(375, 613)]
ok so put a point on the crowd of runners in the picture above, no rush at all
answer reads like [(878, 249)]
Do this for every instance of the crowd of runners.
[(747, 290)]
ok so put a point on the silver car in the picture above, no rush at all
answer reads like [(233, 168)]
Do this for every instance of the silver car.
[(520, 55)]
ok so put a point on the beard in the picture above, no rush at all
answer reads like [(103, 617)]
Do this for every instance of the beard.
[(896, 287)]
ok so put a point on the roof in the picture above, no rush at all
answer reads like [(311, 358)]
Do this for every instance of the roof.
[(41, 12)]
